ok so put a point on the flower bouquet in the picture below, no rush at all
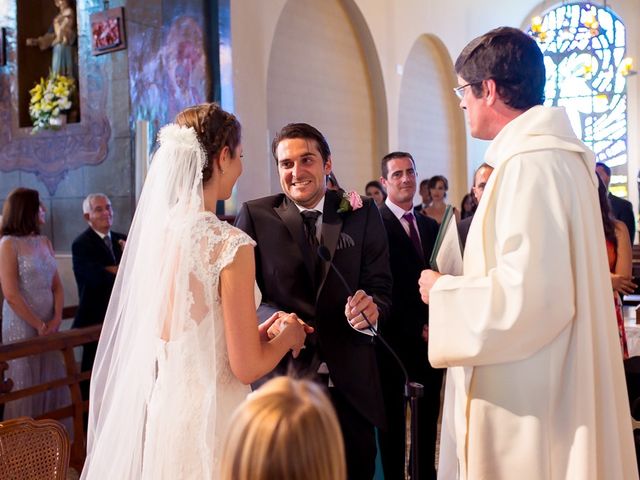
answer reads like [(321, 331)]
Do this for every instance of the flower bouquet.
[(49, 99)]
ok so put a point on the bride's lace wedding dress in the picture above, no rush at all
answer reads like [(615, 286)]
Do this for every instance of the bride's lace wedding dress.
[(195, 391), (162, 389)]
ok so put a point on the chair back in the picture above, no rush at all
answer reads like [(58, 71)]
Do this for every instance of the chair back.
[(33, 449)]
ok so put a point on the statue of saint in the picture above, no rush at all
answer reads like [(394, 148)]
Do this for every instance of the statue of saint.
[(61, 37)]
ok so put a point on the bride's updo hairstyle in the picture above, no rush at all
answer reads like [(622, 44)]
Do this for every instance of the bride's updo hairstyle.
[(287, 429), (215, 128)]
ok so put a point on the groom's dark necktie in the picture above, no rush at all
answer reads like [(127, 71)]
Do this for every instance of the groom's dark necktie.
[(310, 218)]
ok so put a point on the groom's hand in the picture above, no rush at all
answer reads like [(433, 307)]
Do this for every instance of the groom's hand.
[(276, 322), (358, 304), (265, 327)]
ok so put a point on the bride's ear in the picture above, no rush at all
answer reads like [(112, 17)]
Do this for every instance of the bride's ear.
[(224, 159)]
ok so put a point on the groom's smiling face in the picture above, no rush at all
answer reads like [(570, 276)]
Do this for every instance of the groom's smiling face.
[(302, 172)]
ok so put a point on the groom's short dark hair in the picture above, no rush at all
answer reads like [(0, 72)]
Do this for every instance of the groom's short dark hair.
[(305, 131)]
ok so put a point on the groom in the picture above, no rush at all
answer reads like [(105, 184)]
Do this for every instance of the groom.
[(288, 229)]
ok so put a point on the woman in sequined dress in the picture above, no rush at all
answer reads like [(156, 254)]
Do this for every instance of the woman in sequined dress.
[(33, 301)]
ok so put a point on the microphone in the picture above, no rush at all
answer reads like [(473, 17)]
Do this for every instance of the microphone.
[(325, 256)]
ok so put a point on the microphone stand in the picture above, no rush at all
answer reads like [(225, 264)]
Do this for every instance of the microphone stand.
[(412, 390)]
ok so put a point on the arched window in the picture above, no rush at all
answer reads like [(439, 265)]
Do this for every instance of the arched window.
[(584, 51)]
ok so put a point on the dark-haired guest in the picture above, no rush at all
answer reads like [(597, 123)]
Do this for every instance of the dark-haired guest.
[(467, 206), (423, 191), (621, 209), (480, 179), (375, 190), (620, 258), (411, 239), (33, 301), (438, 187), (288, 229)]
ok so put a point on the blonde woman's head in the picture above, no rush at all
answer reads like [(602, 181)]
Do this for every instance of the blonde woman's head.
[(285, 430)]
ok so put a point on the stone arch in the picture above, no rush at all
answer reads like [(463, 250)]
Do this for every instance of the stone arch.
[(430, 122), (324, 70)]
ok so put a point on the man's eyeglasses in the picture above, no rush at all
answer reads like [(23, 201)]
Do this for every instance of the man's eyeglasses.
[(459, 91)]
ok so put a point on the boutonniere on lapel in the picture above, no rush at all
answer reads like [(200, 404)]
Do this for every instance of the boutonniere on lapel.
[(349, 202)]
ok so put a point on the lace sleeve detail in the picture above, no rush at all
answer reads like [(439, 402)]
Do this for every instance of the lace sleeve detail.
[(215, 246), (233, 240)]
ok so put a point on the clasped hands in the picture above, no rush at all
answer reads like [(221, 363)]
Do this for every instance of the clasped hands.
[(48, 328), (281, 322)]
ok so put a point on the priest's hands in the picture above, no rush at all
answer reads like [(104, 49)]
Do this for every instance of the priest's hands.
[(427, 279), (361, 302)]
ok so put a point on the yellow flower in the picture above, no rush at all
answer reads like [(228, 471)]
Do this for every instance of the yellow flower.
[(49, 98)]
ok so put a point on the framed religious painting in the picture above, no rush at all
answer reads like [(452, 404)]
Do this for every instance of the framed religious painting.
[(108, 31)]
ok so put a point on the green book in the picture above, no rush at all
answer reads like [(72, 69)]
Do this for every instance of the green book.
[(446, 257)]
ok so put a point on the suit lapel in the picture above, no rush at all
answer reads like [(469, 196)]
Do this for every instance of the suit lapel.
[(98, 241), (398, 231), (117, 249), (331, 228), (426, 239), (290, 216)]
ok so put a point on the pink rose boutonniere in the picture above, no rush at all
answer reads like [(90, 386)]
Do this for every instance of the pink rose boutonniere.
[(350, 202)]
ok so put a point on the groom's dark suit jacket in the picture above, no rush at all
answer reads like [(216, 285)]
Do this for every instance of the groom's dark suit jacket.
[(358, 246)]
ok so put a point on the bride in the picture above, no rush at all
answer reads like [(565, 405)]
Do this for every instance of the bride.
[(180, 340)]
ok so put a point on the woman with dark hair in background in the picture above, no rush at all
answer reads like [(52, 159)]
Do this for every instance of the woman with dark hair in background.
[(33, 300), (467, 206), (620, 260), (438, 186), (375, 190)]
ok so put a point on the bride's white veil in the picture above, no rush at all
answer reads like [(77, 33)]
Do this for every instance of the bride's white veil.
[(149, 303)]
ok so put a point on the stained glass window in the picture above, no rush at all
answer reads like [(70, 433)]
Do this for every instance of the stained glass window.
[(584, 47)]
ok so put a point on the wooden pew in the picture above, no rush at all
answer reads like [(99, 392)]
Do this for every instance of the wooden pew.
[(64, 342)]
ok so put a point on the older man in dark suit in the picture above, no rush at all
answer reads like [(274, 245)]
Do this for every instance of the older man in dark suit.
[(480, 179), (288, 229), (411, 239), (96, 254)]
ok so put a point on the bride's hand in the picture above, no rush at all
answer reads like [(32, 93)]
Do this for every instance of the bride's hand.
[(295, 332), (267, 330), (274, 325)]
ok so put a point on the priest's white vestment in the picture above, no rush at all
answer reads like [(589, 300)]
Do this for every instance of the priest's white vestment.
[(535, 385)]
